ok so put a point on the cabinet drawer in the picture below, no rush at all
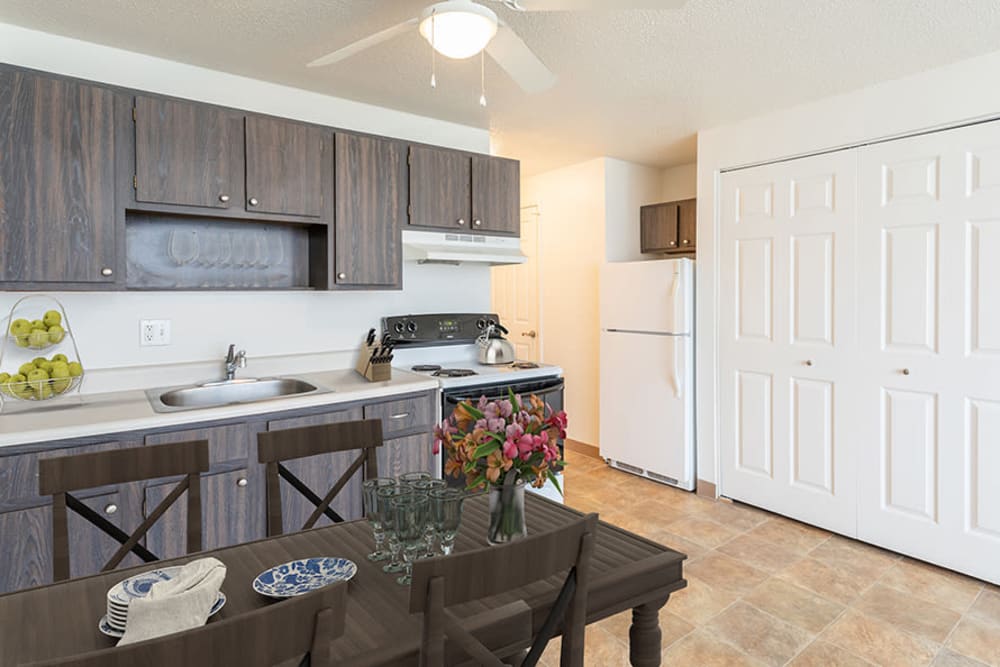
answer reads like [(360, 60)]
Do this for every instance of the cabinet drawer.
[(315, 420), (402, 415), (225, 443), (19, 473)]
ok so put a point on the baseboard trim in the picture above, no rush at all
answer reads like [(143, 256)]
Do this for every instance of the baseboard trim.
[(706, 489), (582, 448)]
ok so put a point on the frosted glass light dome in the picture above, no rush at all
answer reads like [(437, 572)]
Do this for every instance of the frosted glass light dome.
[(458, 29)]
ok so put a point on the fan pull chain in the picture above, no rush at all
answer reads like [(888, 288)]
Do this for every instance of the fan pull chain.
[(434, 82), (482, 78)]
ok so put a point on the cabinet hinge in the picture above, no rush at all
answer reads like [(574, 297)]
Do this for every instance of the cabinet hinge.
[(135, 182), (133, 115), (409, 209)]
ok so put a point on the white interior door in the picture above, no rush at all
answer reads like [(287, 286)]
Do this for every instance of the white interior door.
[(787, 341), (516, 290), (930, 346)]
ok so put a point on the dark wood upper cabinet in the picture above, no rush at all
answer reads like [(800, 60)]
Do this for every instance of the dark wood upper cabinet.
[(440, 188), (285, 166), (188, 154), (371, 195), (496, 195), (57, 196), (668, 227)]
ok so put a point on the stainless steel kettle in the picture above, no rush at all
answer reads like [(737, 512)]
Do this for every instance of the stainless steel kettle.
[(494, 349)]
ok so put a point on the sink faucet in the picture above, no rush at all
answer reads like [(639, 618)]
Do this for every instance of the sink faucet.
[(235, 360)]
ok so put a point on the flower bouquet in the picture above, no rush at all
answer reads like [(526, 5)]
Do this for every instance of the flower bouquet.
[(502, 446)]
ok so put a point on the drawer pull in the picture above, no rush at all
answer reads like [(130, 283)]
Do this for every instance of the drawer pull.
[(401, 415), (241, 482), (110, 508)]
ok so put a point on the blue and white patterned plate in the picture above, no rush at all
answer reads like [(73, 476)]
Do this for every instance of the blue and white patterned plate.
[(138, 586), (105, 626), (302, 576)]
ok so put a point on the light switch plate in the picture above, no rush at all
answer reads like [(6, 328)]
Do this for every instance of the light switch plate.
[(154, 332)]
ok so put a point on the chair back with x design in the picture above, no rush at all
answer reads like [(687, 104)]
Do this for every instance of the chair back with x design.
[(274, 447), (57, 477)]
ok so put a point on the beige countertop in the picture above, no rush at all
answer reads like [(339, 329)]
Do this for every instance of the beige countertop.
[(121, 411)]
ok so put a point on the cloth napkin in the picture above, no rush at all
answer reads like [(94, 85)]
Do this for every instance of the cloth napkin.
[(180, 603)]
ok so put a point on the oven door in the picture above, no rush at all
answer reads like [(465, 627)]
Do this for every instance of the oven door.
[(550, 390)]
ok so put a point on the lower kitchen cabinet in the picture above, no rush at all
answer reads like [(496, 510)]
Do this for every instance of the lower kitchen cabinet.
[(407, 454)]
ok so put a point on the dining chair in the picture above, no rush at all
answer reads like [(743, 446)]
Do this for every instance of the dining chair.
[(439, 583), (57, 477), (278, 633), (274, 447)]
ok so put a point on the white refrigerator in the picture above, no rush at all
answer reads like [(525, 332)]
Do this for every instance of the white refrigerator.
[(647, 369)]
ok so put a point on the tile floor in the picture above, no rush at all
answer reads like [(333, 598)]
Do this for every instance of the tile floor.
[(765, 590)]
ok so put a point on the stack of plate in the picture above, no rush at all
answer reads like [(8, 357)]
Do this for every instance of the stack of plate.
[(121, 595)]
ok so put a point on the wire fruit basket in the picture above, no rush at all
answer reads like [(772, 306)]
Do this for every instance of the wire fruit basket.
[(37, 323)]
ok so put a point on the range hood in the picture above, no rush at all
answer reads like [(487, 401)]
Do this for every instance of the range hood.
[(457, 248)]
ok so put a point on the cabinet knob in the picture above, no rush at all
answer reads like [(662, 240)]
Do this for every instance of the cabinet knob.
[(905, 371), (809, 362), (241, 482), (461, 222), (106, 271), (685, 242), (477, 223), (223, 198), (110, 508), (341, 276), (253, 201), (672, 244)]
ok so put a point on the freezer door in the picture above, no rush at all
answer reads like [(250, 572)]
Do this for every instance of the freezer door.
[(653, 296), (647, 399)]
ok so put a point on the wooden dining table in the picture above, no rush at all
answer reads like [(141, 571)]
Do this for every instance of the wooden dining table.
[(627, 572)]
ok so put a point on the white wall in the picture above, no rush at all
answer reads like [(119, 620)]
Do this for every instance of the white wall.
[(627, 186), (680, 182), (571, 204), (961, 91), (265, 323)]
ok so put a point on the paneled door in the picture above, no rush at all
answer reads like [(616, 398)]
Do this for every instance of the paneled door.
[(496, 194), (929, 244), (285, 167), (440, 188), (787, 339), (515, 293)]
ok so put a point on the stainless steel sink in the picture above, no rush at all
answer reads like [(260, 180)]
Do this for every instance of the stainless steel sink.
[(229, 392)]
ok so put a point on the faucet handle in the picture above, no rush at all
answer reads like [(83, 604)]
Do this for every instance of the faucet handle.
[(241, 357)]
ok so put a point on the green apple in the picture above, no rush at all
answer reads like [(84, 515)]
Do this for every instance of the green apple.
[(39, 338), (22, 341), (38, 360), (20, 327), (26, 368), (56, 333), (38, 324), (75, 369), (52, 318), (18, 386), (60, 357), (45, 366), (61, 378), (42, 390), (37, 379)]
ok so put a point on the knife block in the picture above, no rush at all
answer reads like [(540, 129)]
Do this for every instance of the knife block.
[(372, 372)]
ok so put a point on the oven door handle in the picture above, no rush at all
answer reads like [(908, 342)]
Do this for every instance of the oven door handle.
[(455, 400)]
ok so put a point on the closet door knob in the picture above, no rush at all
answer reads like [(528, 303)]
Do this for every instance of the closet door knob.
[(905, 371), (809, 362)]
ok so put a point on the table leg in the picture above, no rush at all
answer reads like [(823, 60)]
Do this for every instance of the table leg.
[(645, 636)]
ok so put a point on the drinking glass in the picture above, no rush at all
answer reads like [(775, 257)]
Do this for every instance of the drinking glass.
[(410, 516), (446, 515), (424, 487), (370, 488), (408, 478), (385, 498), (182, 246)]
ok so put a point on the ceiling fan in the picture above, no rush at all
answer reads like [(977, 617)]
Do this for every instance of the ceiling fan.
[(460, 29)]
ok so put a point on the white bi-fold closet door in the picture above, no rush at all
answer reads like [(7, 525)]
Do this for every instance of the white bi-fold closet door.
[(929, 420), (787, 340), (892, 433)]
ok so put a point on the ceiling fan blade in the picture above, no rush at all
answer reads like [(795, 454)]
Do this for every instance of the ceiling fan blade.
[(589, 5), (362, 44), (520, 62)]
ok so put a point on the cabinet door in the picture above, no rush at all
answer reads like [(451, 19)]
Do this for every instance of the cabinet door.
[(57, 204), (496, 195), (187, 154), (227, 515), (407, 454), (370, 209), (686, 224), (319, 473), (658, 227), (285, 166), (440, 188)]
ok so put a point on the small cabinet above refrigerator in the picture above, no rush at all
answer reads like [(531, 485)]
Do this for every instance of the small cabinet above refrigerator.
[(668, 227)]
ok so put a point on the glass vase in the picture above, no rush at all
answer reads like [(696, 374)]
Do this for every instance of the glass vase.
[(507, 513)]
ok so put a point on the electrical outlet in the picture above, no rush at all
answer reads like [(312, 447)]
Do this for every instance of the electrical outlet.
[(154, 332)]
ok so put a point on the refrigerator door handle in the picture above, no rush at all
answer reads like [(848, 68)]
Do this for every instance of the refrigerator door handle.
[(676, 369), (674, 292)]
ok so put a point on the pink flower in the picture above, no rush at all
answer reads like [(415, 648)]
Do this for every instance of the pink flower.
[(506, 408), (497, 424), (525, 445), (509, 449), (514, 431)]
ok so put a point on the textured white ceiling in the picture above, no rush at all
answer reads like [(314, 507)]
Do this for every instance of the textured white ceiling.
[(632, 84)]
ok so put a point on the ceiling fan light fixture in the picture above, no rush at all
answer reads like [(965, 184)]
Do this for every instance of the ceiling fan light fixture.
[(458, 29)]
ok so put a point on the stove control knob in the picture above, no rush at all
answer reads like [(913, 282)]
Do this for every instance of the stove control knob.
[(398, 327), (411, 326), (480, 324)]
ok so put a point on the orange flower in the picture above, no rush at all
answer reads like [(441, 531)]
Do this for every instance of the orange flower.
[(463, 418), (497, 463)]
